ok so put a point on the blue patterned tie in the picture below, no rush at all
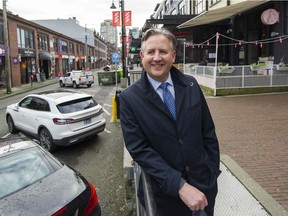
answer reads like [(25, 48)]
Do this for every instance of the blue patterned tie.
[(168, 99)]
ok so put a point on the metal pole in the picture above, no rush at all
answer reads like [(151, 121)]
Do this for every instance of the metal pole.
[(116, 67), (7, 54), (86, 49), (184, 56), (123, 40), (216, 65)]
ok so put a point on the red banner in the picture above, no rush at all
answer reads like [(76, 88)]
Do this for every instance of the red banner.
[(115, 18), (127, 39), (127, 18)]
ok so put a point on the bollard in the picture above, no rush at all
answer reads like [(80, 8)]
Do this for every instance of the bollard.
[(117, 99), (114, 109)]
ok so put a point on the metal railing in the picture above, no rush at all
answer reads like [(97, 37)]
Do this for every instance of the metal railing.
[(239, 76), (242, 76), (150, 208)]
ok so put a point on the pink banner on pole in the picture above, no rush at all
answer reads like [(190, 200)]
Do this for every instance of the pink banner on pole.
[(115, 18), (127, 18)]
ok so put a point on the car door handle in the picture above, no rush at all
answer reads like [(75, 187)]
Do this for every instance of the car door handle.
[(37, 118)]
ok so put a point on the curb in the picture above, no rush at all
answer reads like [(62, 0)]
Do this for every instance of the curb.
[(26, 88), (265, 199)]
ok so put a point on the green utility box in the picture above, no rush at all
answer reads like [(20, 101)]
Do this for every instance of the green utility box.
[(108, 77)]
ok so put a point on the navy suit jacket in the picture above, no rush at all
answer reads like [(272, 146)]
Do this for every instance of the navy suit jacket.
[(167, 149)]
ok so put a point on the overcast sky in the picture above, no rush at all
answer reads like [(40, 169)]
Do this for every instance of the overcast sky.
[(88, 12)]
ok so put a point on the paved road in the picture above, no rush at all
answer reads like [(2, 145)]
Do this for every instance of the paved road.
[(253, 131)]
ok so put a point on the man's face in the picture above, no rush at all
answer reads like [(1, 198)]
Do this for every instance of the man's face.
[(158, 57)]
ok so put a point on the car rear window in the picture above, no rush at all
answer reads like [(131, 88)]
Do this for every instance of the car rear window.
[(22, 168), (76, 105)]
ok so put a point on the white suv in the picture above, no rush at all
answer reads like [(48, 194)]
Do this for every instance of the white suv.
[(56, 118)]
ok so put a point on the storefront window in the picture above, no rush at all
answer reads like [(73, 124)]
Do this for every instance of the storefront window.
[(81, 50), (200, 6), (64, 46), (42, 41), (286, 18), (71, 48), (181, 8), (55, 44), (214, 1), (1, 33), (25, 38)]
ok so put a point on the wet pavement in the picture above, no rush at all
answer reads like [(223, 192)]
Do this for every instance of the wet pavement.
[(253, 132)]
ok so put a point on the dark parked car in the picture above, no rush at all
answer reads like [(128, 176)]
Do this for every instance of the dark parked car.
[(34, 182)]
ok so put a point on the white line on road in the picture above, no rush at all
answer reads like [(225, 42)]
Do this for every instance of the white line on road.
[(6, 135), (109, 105), (107, 131), (106, 111)]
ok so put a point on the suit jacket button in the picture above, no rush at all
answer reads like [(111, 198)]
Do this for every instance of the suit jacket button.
[(181, 141)]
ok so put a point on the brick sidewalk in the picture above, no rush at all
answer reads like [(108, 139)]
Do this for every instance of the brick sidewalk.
[(253, 131)]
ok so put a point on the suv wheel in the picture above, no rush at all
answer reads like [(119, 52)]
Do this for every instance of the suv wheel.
[(11, 127), (46, 140), (74, 85)]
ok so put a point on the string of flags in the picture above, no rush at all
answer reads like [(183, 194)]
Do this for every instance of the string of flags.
[(235, 42)]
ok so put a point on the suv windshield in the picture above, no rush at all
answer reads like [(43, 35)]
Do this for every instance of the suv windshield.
[(77, 105)]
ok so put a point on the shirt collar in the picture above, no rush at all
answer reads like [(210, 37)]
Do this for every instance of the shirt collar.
[(156, 83)]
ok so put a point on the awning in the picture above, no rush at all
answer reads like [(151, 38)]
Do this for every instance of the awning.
[(45, 55), (219, 14)]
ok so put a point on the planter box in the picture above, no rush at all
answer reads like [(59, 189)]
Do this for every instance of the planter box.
[(226, 70), (281, 68), (258, 68)]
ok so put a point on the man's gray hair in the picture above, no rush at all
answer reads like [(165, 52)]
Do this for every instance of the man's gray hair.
[(158, 31)]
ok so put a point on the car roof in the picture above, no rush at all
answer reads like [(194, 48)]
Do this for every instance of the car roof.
[(80, 71), (8, 145), (61, 96)]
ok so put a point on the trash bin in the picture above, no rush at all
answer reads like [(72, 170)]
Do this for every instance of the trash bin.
[(117, 99), (108, 77)]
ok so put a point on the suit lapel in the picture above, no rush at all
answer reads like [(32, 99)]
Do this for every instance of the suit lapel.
[(180, 86)]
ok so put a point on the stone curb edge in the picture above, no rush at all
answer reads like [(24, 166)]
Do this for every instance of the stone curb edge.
[(265, 199)]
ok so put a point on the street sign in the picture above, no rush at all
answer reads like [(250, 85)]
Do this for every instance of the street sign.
[(115, 57)]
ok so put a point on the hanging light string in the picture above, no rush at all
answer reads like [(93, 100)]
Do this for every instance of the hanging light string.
[(236, 42)]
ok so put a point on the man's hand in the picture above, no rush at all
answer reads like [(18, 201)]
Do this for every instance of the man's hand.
[(192, 197)]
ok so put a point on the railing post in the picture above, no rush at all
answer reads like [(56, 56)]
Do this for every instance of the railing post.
[(215, 80), (243, 80), (137, 171), (271, 76), (151, 209), (150, 205)]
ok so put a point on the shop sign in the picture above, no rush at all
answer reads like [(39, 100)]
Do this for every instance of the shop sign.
[(27, 53)]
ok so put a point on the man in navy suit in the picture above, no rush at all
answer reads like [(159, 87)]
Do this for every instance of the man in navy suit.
[(179, 152)]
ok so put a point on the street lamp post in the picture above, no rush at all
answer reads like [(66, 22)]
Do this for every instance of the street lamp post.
[(86, 49), (7, 52), (123, 36)]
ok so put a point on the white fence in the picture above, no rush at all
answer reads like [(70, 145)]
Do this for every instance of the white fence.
[(233, 77)]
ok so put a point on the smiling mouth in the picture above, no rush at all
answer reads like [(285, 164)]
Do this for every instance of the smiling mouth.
[(157, 65)]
